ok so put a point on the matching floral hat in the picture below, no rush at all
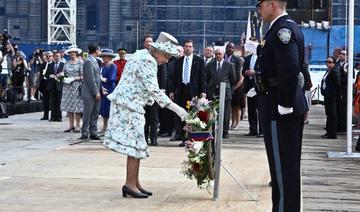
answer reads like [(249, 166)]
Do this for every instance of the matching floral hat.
[(166, 43)]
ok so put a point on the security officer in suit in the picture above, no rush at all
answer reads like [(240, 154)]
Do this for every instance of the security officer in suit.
[(281, 59), (43, 87), (189, 80), (54, 86), (218, 71)]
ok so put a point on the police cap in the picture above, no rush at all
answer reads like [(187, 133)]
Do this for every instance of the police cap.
[(261, 1)]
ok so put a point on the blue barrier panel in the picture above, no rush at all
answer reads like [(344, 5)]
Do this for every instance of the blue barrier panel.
[(338, 38), (316, 44)]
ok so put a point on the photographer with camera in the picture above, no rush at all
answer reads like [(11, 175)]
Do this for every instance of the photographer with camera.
[(7, 53), (36, 65), (20, 72)]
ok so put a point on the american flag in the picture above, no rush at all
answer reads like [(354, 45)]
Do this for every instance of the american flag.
[(242, 38)]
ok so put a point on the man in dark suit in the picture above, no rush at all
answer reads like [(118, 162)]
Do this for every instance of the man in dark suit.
[(254, 98), (330, 89), (54, 86), (342, 67), (219, 71), (43, 87), (281, 60), (189, 81)]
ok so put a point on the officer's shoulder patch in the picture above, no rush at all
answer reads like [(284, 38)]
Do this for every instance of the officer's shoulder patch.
[(284, 35)]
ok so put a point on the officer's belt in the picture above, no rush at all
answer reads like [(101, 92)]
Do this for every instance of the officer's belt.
[(273, 82)]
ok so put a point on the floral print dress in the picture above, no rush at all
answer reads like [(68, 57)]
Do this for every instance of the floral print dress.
[(71, 100), (138, 87)]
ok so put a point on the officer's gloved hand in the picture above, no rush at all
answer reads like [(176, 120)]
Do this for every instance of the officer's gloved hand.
[(181, 112), (285, 110)]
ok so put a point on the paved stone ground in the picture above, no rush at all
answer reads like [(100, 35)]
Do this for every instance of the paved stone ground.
[(40, 171)]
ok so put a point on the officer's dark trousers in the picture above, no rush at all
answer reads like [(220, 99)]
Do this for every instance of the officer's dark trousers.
[(283, 140), (331, 116), (227, 111), (151, 121), (181, 100), (166, 119), (46, 103), (55, 100), (341, 111), (255, 116)]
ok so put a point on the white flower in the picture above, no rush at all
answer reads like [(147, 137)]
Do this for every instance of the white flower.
[(197, 147), (202, 125), (193, 121)]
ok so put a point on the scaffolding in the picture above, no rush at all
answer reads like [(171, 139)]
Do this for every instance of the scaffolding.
[(61, 21)]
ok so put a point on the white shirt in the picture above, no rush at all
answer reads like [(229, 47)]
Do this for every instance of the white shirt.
[(283, 14), (207, 60), (221, 63), (252, 91), (183, 69), (4, 65), (253, 61)]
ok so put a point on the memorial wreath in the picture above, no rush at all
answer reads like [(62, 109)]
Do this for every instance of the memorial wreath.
[(199, 146)]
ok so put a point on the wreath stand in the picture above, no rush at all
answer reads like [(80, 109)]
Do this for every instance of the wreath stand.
[(218, 143)]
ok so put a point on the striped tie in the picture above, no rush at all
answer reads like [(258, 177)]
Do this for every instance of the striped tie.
[(186, 79)]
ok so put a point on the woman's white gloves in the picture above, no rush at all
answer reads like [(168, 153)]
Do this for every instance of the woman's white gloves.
[(181, 112), (68, 80)]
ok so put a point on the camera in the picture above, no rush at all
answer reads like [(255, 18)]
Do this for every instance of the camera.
[(5, 37)]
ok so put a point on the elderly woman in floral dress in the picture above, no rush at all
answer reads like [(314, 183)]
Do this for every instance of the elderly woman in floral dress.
[(138, 87)]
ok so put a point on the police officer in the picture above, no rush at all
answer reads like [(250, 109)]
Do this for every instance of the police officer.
[(282, 57)]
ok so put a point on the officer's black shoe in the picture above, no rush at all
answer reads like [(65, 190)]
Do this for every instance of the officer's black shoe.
[(44, 118), (326, 136), (250, 134), (260, 135), (226, 136), (94, 137), (83, 137), (182, 144), (153, 143)]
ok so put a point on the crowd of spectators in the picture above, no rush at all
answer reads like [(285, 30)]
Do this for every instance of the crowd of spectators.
[(41, 75)]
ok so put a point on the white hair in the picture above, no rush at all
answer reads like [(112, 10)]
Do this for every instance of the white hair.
[(219, 48)]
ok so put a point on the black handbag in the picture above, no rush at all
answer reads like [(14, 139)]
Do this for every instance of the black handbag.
[(79, 89)]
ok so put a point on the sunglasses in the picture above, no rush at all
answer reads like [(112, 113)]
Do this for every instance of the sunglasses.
[(328, 61), (343, 53)]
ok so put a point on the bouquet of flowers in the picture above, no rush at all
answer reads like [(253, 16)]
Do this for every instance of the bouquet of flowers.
[(200, 164)]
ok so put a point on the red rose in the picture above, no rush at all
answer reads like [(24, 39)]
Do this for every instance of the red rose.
[(196, 167), (203, 116)]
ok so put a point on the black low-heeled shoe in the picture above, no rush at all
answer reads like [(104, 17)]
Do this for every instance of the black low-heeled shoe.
[(127, 191), (145, 192)]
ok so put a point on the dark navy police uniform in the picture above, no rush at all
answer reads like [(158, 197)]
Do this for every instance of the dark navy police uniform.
[(280, 63)]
